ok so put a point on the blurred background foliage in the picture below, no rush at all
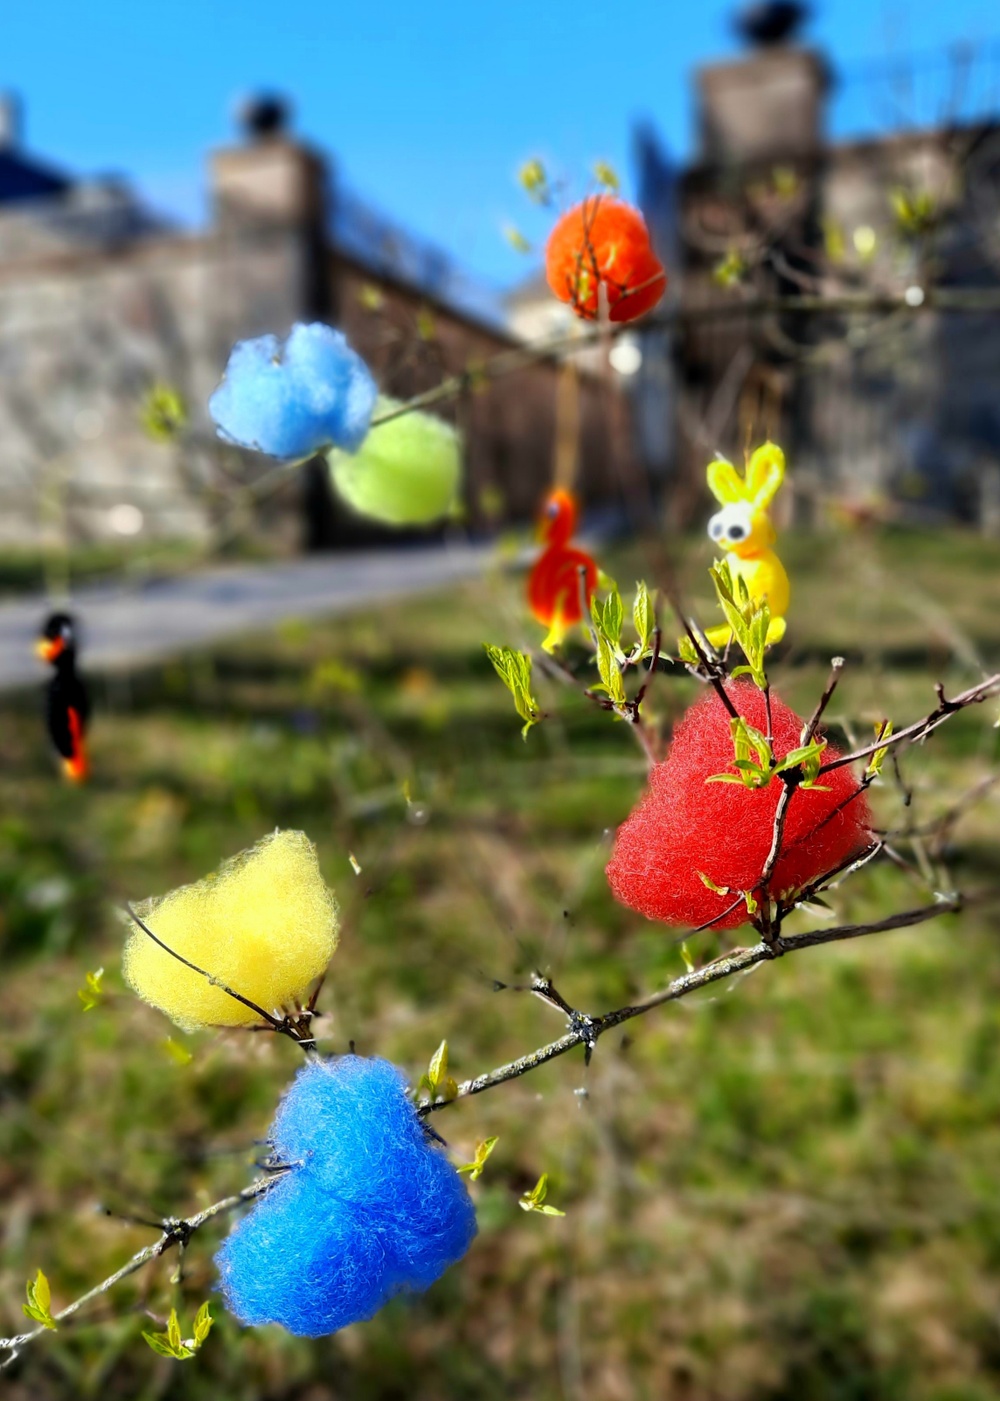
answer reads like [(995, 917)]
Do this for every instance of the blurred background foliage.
[(781, 1190)]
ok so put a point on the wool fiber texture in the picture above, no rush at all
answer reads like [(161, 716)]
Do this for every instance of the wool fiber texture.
[(265, 924), (371, 1209), (604, 240), (406, 472), (295, 398), (684, 825)]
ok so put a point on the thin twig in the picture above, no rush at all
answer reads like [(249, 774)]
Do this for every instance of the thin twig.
[(986, 299), (785, 798), (922, 728), (836, 667), (739, 961), (174, 1232), (274, 1023), (297, 1028)]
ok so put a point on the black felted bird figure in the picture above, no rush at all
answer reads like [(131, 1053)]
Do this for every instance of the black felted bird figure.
[(67, 705)]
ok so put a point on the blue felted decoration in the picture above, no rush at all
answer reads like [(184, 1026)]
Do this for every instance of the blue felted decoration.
[(371, 1207), (292, 400)]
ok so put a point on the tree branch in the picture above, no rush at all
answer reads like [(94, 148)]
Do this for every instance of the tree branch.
[(586, 1030), (175, 1232), (922, 728)]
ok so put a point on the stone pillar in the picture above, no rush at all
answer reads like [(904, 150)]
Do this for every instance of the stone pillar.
[(765, 107), (11, 121), (269, 213), (270, 206)]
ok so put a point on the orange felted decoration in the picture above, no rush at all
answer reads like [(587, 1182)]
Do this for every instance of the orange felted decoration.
[(604, 240), (685, 828)]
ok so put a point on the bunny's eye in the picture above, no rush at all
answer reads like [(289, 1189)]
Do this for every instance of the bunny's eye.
[(736, 532), (715, 528)]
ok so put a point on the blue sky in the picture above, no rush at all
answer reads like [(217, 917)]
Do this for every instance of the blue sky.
[(428, 107)]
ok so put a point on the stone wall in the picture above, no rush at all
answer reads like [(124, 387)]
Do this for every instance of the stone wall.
[(82, 338), (91, 317), (894, 412)]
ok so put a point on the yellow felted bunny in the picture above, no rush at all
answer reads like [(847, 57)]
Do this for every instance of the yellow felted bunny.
[(743, 528)]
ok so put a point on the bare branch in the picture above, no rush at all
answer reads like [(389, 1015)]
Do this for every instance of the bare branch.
[(836, 667), (174, 1233), (586, 1030), (298, 1028), (215, 982), (922, 728)]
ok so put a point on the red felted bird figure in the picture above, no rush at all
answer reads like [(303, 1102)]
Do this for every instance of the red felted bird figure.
[(693, 848), (555, 592), (67, 704)]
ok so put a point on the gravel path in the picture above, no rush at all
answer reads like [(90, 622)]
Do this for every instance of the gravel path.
[(125, 624)]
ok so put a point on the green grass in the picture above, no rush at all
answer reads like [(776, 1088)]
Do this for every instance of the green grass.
[(783, 1190), (31, 570)]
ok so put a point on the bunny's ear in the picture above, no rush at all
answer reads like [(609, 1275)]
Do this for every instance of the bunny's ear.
[(724, 482), (765, 473)]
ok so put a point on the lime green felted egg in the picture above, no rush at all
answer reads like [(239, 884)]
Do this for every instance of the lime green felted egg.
[(406, 471)]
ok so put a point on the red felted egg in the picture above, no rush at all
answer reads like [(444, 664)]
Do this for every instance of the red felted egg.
[(684, 826)]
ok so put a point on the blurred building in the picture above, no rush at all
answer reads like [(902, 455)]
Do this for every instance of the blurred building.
[(896, 412), (100, 299)]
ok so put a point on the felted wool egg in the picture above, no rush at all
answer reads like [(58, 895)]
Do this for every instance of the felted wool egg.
[(684, 827), (604, 240), (295, 397), (370, 1207), (406, 472), (265, 924)]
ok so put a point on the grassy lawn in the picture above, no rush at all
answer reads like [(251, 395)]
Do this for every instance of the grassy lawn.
[(782, 1190)]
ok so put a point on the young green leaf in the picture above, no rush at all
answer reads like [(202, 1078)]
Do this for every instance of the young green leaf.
[(607, 665), (474, 1170), (643, 619), (748, 619), (607, 176), (170, 1343), (92, 991), (163, 413), (160, 1344), (39, 1302), (707, 880), (516, 239), (180, 1055), (882, 731), (534, 181), (614, 617), (202, 1324), (914, 210), (535, 1199), (755, 772), (436, 1080), (730, 270), (514, 670), (808, 757)]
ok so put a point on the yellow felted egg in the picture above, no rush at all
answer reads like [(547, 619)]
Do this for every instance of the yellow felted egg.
[(265, 924), (406, 472)]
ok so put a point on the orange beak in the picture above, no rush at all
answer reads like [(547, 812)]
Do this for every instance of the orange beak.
[(48, 648), (558, 516)]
